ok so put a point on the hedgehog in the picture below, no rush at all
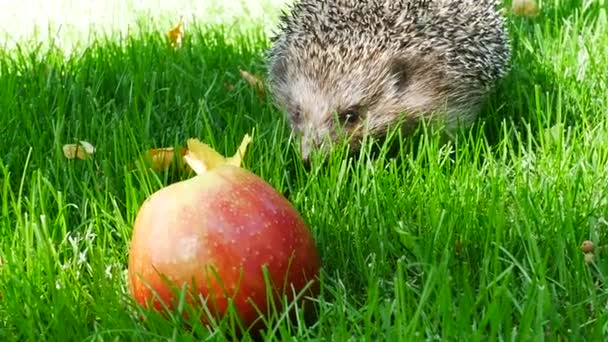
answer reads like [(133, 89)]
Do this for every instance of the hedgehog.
[(347, 69)]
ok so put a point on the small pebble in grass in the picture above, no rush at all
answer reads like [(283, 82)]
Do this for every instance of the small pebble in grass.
[(587, 247), (458, 248), (229, 87), (589, 258)]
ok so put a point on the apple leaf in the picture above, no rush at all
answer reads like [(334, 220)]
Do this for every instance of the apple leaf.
[(201, 157), (237, 158)]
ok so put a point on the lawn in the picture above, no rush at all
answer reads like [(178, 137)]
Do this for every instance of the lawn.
[(478, 239)]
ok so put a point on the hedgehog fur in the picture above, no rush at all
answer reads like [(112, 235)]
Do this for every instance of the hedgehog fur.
[(360, 66)]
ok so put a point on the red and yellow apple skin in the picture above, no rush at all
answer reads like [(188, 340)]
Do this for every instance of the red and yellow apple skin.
[(216, 231)]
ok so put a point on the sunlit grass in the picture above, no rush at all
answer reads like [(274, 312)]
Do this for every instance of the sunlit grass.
[(71, 24), (475, 240)]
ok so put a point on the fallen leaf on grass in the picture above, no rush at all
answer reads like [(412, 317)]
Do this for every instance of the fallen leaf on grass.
[(82, 150), (254, 82), (161, 158), (176, 34), (524, 8)]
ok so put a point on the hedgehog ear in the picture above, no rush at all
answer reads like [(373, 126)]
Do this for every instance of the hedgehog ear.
[(401, 70)]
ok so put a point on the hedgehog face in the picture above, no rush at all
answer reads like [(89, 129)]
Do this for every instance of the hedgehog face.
[(351, 68), (334, 99)]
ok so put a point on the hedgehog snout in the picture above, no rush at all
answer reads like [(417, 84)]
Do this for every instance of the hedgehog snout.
[(305, 152), (307, 145), (312, 142)]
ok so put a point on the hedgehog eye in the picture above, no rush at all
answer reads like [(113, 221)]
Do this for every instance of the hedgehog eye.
[(349, 116), (296, 115)]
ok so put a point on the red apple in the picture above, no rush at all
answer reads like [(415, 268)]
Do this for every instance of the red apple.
[(215, 232)]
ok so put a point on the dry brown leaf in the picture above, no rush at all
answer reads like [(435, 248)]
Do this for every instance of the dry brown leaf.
[(254, 82), (82, 150), (525, 8), (161, 158), (176, 34)]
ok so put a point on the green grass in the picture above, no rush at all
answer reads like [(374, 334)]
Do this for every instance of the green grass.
[(475, 240)]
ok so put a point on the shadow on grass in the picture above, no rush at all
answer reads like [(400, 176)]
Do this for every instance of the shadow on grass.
[(130, 96), (535, 86), (529, 100)]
